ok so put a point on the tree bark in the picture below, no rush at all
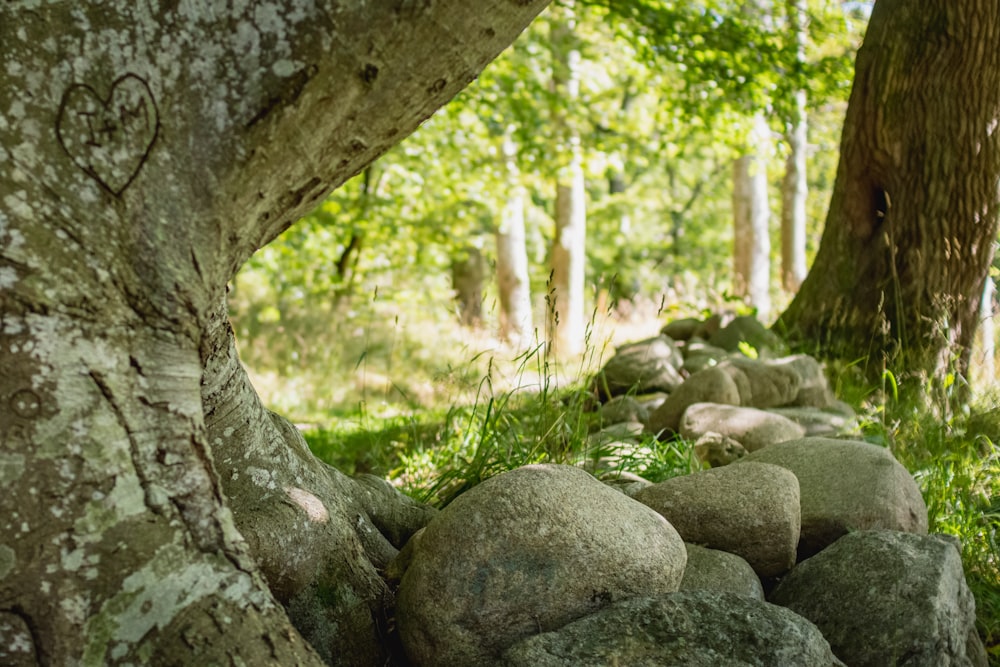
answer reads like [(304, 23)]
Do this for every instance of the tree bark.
[(146, 150), (751, 222), (913, 216), (566, 291), (795, 185), (513, 282)]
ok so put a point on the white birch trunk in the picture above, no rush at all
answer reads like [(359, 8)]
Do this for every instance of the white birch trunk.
[(513, 283), (751, 222)]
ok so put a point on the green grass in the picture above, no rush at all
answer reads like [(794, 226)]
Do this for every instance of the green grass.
[(435, 455), (949, 439)]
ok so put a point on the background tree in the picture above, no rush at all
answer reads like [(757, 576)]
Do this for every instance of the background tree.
[(155, 511), (751, 220), (513, 281), (910, 233), (795, 184), (686, 76), (566, 294)]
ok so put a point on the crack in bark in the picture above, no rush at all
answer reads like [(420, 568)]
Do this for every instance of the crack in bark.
[(156, 504)]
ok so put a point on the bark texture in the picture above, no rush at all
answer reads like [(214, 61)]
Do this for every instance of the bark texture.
[(913, 217), (146, 150)]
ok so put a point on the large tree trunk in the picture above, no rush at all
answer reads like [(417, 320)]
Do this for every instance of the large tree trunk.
[(566, 292), (909, 236), (146, 151), (751, 222), (795, 185), (513, 284)]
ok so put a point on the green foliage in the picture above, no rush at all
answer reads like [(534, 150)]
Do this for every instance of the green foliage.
[(656, 159), (956, 462), (438, 454)]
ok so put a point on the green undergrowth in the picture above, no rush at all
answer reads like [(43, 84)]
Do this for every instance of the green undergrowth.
[(436, 454), (956, 462)]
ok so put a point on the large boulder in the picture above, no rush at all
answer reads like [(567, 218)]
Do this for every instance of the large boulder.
[(751, 510), (719, 571), (690, 628), (846, 486), (750, 427), (642, 367), (525, 552), (888, 598), (712, 385)]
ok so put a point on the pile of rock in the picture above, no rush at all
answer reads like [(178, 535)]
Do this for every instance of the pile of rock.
[(804, 551)]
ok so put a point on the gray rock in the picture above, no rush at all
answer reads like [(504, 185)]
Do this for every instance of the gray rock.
[(650, 402), (645, 366), (821, 422), (719, 571), (751, 427), (690, 628), (888, 598), (698, 362), (717, 450), (761, 384), (713, 324), (523, 552), (623, 409), (753, 513), (846, 486), (698, 346), (746, 329), (814, 388), (682, 329), (711, 385), (626, 482), (624, 431)]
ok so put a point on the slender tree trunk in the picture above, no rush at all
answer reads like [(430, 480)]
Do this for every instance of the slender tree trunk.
[(566, 293), (468, 272), (795, 185), (987, 333), (513, 282), (913, 217), (751, 222), (153, 512)]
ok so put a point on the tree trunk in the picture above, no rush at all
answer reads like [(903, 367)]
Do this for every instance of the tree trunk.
[(566, 292), (987, 333), (512, 258), (146, 151), (468, 272), (751, 222), (795, 185), (913, 216)]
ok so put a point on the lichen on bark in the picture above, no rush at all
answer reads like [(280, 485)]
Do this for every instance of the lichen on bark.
[(146, 150)]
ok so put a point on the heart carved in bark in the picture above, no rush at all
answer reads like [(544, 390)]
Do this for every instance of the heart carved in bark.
[(109, 138)]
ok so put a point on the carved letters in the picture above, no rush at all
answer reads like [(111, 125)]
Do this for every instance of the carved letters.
[(109, 138)]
